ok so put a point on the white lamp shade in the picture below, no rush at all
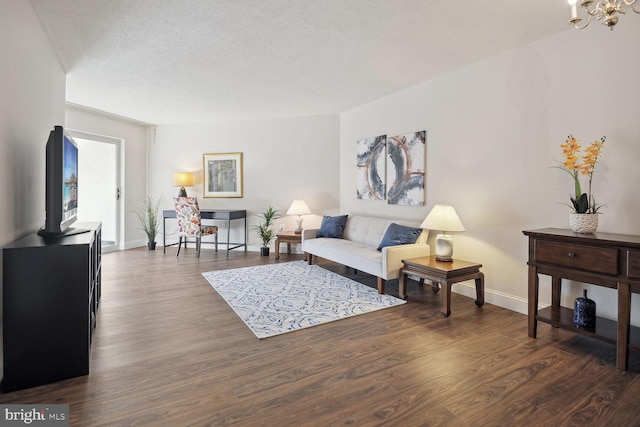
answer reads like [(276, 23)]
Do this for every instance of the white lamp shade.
[(183, 179), (299, 207), (444, 218)]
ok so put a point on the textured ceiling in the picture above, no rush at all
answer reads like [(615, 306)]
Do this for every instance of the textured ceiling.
[(170, 61)]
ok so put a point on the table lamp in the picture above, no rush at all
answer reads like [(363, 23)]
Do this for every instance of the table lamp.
[(182, 179), (298, 207), (443, 217)]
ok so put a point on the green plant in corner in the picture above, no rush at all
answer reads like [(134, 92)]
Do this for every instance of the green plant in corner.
[(263, 229), (581, 202), (149, 216)]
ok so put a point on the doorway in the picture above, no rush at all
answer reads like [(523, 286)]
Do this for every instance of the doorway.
[(99, 192)]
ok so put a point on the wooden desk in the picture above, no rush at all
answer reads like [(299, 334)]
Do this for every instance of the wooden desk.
[(445, 274), (602, 259), (217, 214), (287, 237)]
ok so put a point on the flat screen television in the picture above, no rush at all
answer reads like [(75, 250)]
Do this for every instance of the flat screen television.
[(61, 188)]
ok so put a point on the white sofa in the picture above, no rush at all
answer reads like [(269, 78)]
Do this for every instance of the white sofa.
[(358, 247)]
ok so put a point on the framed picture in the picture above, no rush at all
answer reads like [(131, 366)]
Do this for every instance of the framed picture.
[(222, 175)]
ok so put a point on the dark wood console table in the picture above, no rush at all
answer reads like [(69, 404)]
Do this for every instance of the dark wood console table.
[(217, 214), (602, 259)]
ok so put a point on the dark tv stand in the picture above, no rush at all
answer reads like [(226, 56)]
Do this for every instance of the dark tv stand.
[(51, 290)]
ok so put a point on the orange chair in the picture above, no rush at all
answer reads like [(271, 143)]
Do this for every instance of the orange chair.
[(190, 222)]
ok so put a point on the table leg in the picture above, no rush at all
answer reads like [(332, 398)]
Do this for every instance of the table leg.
[(164, 235), (228, 235), (446, 298), (533, 301), (288, 248), (480, 289), (624, 314), (556, 290), (277, 248), (402, 285)]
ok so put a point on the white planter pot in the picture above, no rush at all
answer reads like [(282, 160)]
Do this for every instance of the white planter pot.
[(583, 223)]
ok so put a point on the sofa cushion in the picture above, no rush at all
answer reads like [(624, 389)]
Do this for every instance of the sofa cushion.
[(366, 230), (397, 234), (332, 226)]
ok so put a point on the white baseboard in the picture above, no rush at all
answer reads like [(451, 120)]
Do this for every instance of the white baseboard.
[(501, 299), (134, 244)]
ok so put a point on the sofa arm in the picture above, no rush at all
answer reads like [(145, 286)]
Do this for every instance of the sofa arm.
[(309, 234), (392, 257)]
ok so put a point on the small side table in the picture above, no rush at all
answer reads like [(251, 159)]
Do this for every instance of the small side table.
[(287, 237), (445, 274)]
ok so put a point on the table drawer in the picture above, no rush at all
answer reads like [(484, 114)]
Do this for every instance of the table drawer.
[(633, 264), (590, 258)]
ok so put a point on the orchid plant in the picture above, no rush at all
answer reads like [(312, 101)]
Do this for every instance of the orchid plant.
[(582, 202)]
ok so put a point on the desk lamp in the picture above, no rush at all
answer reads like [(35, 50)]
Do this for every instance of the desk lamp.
[(443, 217), (298, 207), (182, 179)]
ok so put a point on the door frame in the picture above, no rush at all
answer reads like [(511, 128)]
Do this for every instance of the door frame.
[(119, 144)]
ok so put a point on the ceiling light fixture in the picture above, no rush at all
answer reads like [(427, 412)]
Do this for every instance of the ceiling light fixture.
[(604, 11)]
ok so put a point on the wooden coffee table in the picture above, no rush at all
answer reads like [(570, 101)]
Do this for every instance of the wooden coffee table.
[(445, 274), (287, 237)]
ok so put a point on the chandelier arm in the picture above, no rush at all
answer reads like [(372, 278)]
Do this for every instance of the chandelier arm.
[(630, 3), (598, 9), (585, 25), (591, 13)]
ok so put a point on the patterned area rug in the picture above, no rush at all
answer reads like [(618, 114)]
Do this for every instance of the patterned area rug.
[(278, 298)]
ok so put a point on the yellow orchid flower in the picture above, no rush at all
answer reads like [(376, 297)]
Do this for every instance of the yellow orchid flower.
[(582, 202)]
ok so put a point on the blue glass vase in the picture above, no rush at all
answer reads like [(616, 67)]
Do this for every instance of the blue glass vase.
[(584, 311)]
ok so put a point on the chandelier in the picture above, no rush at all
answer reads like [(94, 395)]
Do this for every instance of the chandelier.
[(604, 11)]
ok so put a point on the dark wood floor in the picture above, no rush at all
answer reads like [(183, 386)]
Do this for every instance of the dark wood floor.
[(168, 351)]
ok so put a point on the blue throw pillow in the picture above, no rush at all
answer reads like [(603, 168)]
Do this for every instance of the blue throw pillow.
[(397, 234), (332, 226)]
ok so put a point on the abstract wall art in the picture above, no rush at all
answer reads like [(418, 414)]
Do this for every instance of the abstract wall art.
[(406, 165), (371, 179), (222, 175)]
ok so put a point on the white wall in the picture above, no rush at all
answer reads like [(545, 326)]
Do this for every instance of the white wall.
[(283, 160), (31, 104), (493, 133), (32, 86), (133, 162)]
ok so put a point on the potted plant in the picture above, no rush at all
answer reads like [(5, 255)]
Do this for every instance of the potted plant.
[(149, 217), (584, 218), (264, 230)]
